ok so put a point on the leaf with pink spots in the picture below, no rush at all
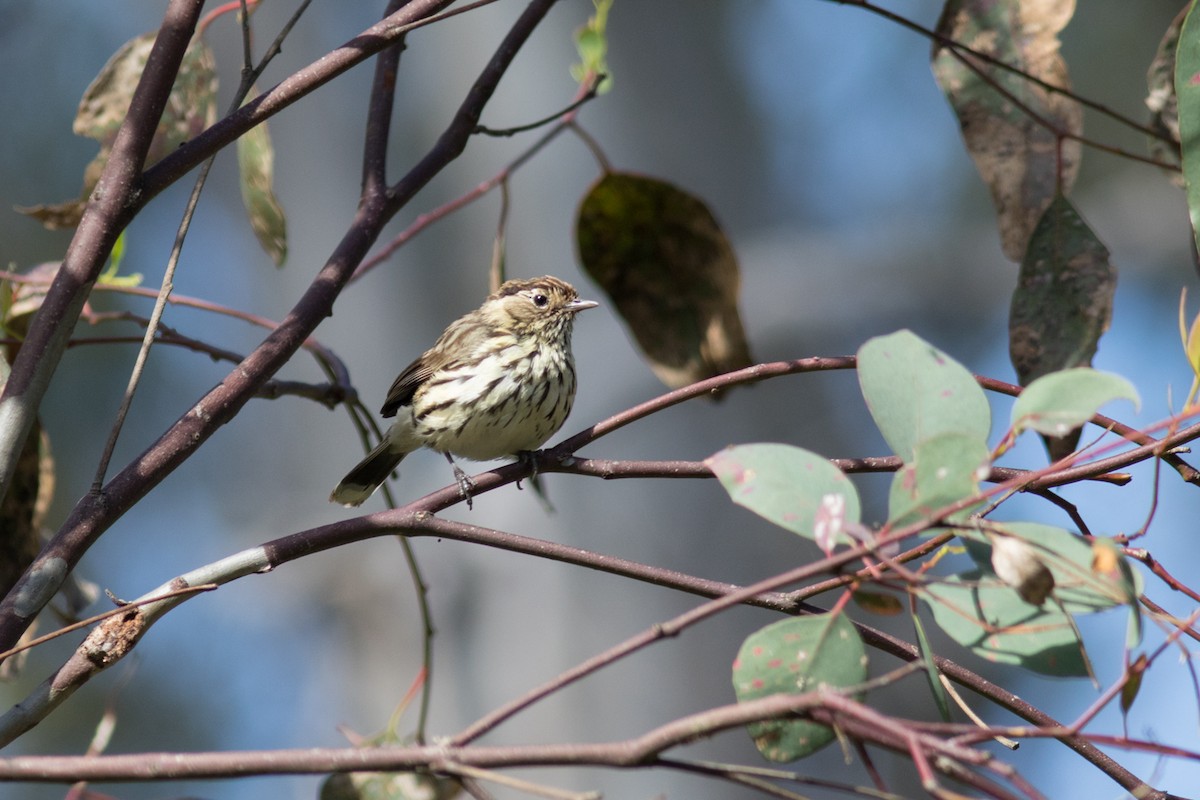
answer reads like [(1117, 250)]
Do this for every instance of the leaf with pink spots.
[(796, 489), (795, 656)]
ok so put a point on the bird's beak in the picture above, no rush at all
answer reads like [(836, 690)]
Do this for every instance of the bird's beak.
[(581, 305)]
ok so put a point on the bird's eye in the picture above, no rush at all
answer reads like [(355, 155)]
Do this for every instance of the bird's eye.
[(540, 300)]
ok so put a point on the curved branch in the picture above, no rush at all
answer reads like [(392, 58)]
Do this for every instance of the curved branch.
[(94, 513)]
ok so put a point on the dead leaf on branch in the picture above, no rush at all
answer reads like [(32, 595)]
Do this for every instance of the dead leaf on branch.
[(190, 109), (1021, 160), (672, 275), (256, 175)]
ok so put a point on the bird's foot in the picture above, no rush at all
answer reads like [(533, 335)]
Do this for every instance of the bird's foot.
[(466, 486)]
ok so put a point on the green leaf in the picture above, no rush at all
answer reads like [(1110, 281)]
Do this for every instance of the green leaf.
[(1079, 585), (945, 469), (794, 656), (1058, 403), (1187, 91), (256, 165), (786, 485), (931, 670), (981, 613), (591, 40), (670, 271), (388, 786), (1015, 146), (976, 609), (916, 392)]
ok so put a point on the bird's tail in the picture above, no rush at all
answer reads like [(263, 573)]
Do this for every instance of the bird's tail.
[(362, 481)]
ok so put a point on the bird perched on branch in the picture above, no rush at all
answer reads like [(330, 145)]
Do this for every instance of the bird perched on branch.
[(498, 382)]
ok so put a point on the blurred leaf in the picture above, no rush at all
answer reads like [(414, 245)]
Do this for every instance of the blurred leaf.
[(1070, 558), (1021, 567), (977, 609), (916, 392), (1060, 402), (794, 656), (110, 276), (1190, 337), (945, 469), (1133, 683), (591, 41), (388, 786), (190, 109), (256, 165), (786, 485), (884, 605), (27, 298), (1016, 155), (1062, 304), (671, 273), (23, 514), (1187, 92), (1161, 98), (931, 671), (1109, 562), (979, 612)]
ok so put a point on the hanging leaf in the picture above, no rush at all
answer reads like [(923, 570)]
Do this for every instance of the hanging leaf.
[(1079, 585), (789, 486), (979, 612), (1063, 300), (191, 107), (1161, 98), (794, 656), (671, 273), (915, 392), (1187, 92), (879, 603), (1062, 304), (1023, 163), (256, 166), (591, 41), (932, 674), (983, 612)]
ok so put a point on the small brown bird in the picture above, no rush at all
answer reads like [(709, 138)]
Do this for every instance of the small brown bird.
[(498, 382)]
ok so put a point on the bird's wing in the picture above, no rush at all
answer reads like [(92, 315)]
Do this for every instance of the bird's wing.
[(458, 342), (408, 381)]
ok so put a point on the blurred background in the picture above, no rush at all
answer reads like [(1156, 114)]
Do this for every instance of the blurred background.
[(816, 134)]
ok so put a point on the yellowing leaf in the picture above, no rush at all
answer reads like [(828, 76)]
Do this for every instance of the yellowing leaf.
[(256, 165)]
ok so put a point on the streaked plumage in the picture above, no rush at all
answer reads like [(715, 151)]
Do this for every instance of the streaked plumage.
[(498, 382)]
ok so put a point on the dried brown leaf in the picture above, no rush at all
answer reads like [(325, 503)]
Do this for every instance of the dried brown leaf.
[(1023, 162)]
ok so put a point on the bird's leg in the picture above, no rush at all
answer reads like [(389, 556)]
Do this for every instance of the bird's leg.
[(530, 458), (465, 485)]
